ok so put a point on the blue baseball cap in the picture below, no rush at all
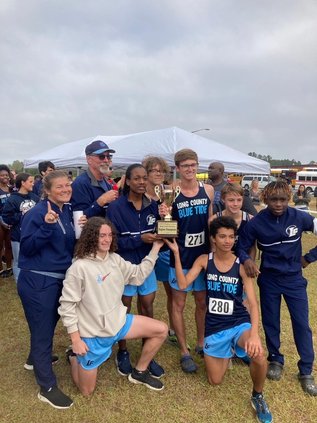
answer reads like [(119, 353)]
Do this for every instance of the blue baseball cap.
[(97, 147)]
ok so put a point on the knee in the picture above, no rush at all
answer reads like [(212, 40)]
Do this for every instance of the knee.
[(215, 380), (259, 361), (178, 306), (163, 330)]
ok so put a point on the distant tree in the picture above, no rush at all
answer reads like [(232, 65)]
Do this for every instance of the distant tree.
[(17, 166), (276, 162)]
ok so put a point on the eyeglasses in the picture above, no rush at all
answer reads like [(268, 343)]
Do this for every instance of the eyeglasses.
[(103, 156), (157, 171), (188, 166)]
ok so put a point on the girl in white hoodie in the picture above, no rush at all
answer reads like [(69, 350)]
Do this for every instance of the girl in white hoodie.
[(92, 311)]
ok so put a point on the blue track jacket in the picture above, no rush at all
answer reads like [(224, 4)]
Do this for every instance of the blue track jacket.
[(44, 246), (279, 239), (131, 224)]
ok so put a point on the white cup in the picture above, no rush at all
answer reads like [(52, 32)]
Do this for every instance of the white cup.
[(78, 228)]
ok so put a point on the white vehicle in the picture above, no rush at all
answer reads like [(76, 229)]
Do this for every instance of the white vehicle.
[(307, 177), (263, 180)]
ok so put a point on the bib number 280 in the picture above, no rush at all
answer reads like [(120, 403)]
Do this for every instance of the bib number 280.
[(219, 306)]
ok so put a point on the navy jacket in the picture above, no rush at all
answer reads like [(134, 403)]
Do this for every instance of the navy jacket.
[(131, 224), (44, 246), (15, 208), (86, 190), (279, 239)]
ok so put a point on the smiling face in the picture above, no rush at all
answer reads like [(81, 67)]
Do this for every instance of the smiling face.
[(156, 175), (187, 169), (233, 202), (4, 178), (105, 240), (60, 191), (99, 163)]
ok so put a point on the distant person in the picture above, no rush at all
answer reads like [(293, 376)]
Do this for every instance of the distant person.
[(301, 198), (255, 192), (44, 168), (93, 287), (92, 192), (17, 205), (217, 180), (5, 244), (277, 230), (229, 328)]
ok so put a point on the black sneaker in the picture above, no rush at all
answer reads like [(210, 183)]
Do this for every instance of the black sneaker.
[(29, 365), (6, 273), (69, 353), (123, 362), (55, 397), (156, 370), (146, 379)]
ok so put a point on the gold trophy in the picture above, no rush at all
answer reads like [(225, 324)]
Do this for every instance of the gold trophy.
[(167, 228)]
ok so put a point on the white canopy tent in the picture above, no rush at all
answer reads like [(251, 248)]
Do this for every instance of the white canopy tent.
[(133, 148)]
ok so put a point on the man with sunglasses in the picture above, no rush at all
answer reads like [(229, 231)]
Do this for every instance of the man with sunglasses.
[(92, 191)]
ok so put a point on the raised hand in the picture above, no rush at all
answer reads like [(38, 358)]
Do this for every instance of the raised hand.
[(51, 216)]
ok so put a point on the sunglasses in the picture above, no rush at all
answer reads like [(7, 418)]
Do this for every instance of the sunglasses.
[(103, 156)]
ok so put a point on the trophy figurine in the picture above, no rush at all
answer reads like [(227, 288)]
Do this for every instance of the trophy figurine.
[(167, 228)]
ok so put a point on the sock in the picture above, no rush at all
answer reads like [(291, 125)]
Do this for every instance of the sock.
[(255, 393)]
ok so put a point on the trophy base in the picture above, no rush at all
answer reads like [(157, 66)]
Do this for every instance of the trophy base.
[(167, 228)]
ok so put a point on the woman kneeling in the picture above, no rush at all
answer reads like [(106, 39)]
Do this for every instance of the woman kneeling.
[(92, 311)]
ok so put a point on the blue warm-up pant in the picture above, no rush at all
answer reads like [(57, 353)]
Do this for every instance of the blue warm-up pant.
[(293, 290), (40, 299)]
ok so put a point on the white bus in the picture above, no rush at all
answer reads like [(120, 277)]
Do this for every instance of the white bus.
[(307, 177)]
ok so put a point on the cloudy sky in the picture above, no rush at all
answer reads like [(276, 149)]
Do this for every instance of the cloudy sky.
[(246, 69)]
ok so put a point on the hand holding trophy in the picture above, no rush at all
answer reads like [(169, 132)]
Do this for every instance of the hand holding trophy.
[(167, 228)]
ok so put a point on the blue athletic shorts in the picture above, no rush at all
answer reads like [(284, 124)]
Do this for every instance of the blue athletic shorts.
[(148, 286), (162, 266), (224, 344), (100, 349), (198, 284)]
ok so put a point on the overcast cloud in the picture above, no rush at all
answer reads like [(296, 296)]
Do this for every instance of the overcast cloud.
[(246, 69)]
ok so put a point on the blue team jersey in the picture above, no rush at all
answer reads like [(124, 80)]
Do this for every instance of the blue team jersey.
[(224, 298), (192, 215)]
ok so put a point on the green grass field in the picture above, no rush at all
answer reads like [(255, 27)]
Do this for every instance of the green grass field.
[(186, 398)]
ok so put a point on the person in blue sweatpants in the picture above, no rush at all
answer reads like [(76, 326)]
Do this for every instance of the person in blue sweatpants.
[(277, 231)]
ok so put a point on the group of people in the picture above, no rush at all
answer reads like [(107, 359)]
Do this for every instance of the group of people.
[(119, 255)]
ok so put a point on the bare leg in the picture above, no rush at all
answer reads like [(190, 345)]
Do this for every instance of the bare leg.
[(216, 369), (146, 304), (127, 301), (258, 365), (200, 312), (169, 303), (85, 380), (154, 332), (179, 301)]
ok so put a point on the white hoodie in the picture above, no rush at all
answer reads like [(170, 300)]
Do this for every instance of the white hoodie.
[(93, 287)]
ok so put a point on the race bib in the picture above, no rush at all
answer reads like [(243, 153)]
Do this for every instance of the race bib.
[(219, 306), (194, 240)]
